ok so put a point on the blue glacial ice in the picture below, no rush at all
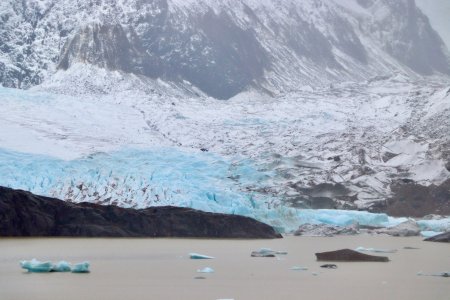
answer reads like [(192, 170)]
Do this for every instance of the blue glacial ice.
[(82, 267), (199, 256), (441, 225), (62, 266), (206, 270), (36, 266), (156, 177), (427, 233)]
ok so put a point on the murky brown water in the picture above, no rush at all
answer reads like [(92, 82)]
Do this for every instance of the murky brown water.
[(160, 269)]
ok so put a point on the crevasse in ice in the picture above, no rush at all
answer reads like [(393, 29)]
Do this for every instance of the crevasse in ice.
[(143, 178)]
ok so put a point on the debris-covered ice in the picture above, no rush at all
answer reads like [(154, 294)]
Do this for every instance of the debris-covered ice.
[(267, 252)]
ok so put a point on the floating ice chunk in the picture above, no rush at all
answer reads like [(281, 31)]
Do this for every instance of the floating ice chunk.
[(267, 252), (440, 225), (428, 234), (263, 252), (81, 267), (362, 249), (297, 268), (407, 228), (199, 256), (36, 266), (62, 266), (443, 274), (206, 270)]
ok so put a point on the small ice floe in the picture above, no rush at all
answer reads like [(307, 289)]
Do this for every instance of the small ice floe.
[(443, 274), (206, 270), (62, 266), (375, 250), (36, 266), (81, 267), (428, 234), (199, 256), (315, 274), (267, 252), (298, 268)]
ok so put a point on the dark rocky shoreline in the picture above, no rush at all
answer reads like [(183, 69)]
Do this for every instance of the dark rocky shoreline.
[(27, 215)]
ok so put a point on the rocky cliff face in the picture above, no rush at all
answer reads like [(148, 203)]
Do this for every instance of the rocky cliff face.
[(220, 47), (109, 47)]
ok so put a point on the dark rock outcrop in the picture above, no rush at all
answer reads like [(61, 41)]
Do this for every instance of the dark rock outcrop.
[(110, 47), (25, 214), (442, 238), (349, 255)]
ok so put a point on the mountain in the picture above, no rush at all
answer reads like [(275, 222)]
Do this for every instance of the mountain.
[(340, 104), (220, 47)]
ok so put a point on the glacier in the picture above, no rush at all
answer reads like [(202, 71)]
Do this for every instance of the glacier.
[(262, 153), (140, 179)]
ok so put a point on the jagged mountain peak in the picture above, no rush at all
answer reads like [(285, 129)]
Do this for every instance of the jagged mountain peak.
[(220, 47)]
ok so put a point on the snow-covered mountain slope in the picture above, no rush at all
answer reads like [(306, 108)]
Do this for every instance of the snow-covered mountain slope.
[(220, 47)]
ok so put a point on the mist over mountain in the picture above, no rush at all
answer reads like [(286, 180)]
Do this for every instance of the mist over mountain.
[(220, 47)]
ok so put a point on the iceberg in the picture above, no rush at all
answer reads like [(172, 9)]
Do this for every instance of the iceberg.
[(206, 270), (199, 256), (62, 266), (36, 266), (375, 250), (267, 252), (428, 234), (440, 225), (442, 274), (81, 267), (298, 268)]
